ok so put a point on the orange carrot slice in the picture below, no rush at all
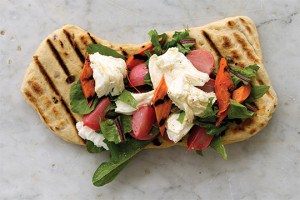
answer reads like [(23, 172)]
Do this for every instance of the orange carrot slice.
[(162, 104), (87, 81), (223, 84), (132, 61), (242, 93)]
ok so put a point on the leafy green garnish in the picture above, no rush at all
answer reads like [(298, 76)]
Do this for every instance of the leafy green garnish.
[(199, 152), (103, 50), (237, 110), (181, 117), (125, 121), (154, 130), (248, 72), (147, 79), (110, 131), (217, 145), (127, 98), (110, 110), (210, 114), (78, 102), (211, 129), (92, 148), (257, 92), (161, 44), (120, 156)]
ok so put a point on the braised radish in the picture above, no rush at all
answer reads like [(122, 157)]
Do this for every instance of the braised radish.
[(92, 119), (142, 121), (202, 60), (198, 139), (138, 74)]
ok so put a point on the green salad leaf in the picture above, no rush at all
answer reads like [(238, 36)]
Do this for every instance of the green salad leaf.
[(257, 92), (210, 114), (110, 131), (248, 72), (237, 110), (181, 117), (161, 44), (103, 50), (199, 152), (78, 102), (92, 148), (211, 129), (154, 130), (217, 145), (127, 98), (125, 121), (121, 154), (147, 79)]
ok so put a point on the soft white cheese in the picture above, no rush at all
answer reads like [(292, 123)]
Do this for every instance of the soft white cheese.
[(108, 73), (181, 78), (141, 99), (87, 133)]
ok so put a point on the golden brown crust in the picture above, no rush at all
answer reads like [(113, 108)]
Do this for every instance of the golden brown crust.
[(59, 59)]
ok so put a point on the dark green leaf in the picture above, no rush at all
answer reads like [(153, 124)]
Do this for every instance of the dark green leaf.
[(209, 114), (217, 145), (110, 131), (257, 92), (154, 130), (211, 129), (78, 102), (127, 98), (147, 79), (92, 148), (248, 72), (199, 152), (110, 110), (125, 121), (181, 117), (120, 156), (237, 110), (103, 50)]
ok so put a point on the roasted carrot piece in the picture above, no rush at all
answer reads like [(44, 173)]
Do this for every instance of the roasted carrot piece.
[(87, 81), (145, 48), (162, 104), (223, 84), (242, 93), (132, 62)]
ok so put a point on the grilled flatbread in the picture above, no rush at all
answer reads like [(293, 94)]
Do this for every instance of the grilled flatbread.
[(59, 59)]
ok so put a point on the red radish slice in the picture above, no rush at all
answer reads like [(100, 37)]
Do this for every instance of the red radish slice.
[(92, 119), (138, 74), (209, 86), (131, 62), (202, 60), (198, 139), (142, 121)]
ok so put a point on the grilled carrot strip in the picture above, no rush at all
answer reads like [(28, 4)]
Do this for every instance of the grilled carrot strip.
[(87, 81), (162, 104), (223, 84), (242, 93), (132, 61)]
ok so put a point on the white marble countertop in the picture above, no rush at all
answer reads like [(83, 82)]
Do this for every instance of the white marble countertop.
[(35, 164)]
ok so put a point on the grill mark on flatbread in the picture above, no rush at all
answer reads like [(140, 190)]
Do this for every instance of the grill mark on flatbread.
[(36, 105), (244, 46), (58, 57), (92, 38), (246, 26), (74, 46), (84, 40), (211, 43), (55, 90)]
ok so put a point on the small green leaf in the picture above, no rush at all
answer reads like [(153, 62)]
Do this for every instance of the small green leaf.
[(181, 117), (127, 98), (237, 110), (211, 129), (110, 131), (217, 145), (103, 50), (147, 79), (154, 131), (209, 114), (257, 92), (92, 148), (126, 121), (199, 152), (248, 72), (121, 154), (78, 102)]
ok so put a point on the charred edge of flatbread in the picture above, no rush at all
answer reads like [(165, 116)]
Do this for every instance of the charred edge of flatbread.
[(62, 54)]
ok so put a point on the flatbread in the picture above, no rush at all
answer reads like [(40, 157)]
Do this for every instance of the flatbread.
[(59, 59)]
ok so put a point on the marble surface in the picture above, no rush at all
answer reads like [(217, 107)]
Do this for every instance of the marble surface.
[(35, 164)]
